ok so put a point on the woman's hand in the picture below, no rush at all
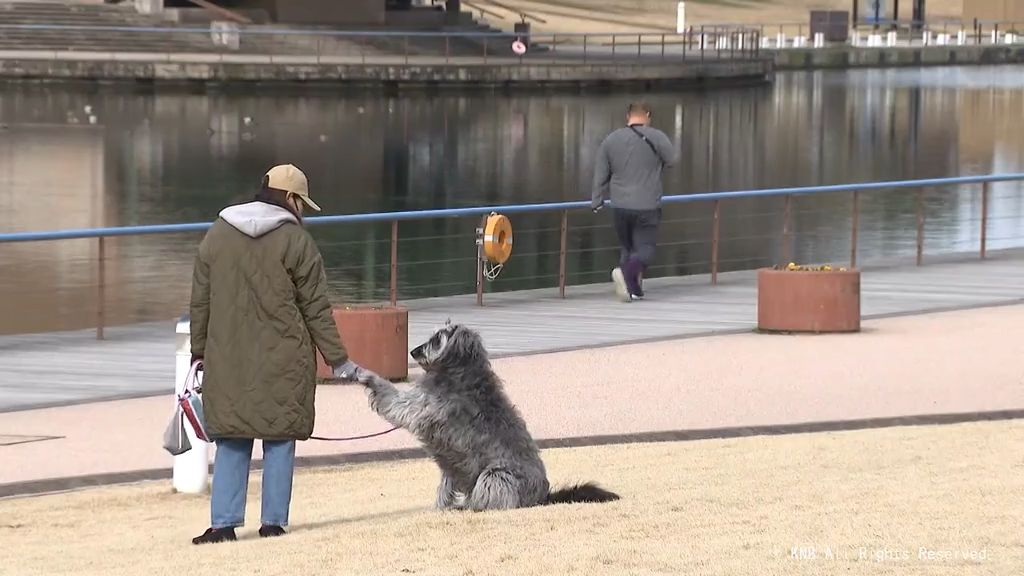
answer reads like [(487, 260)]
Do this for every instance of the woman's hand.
[(348, 371)]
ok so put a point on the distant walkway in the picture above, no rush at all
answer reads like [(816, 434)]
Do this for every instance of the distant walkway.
[(137, 361)]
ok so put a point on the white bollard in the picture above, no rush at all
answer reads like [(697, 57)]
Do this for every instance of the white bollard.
[(819, 40), (191, 469), (927, 38), (961, 38), (995, 38), (681, 18), (891, 39), (780, 40), (855, 39)]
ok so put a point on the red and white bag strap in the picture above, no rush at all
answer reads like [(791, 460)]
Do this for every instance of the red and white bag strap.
[(192, 379)]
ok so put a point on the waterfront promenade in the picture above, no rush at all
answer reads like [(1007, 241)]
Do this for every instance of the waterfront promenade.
[(584, 370), (51, 369)]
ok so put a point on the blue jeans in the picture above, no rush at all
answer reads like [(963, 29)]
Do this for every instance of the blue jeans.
[(231, 481)]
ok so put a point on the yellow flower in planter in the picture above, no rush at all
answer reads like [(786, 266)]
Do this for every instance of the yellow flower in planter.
[(793, 267)]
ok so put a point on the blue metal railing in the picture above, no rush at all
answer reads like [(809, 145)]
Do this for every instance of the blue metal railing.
[(564, 208), (511, 209)]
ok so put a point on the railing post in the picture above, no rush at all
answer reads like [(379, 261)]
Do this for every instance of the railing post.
[(585, 48), (480, 262), (562, 250), (662, 46), (984, 218), (715, 230), (920, 227), (786, 249), (101, 284), (394, 263), (639, 46), (702, 43), (855, 222), (613, 46)]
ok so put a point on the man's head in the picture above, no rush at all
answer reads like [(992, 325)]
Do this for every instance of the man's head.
[(638, 113)]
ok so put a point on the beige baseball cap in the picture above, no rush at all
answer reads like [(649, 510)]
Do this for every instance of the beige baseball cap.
[(288, 178)]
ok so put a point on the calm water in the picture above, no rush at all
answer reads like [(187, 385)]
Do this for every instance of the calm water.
[(178, 157)]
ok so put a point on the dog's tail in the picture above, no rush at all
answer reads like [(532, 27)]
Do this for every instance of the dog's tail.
[(586, 492)]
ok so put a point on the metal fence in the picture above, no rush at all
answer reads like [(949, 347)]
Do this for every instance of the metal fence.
[(233, 43), (717, 205)]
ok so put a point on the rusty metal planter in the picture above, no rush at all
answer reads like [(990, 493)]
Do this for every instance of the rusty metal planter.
[(808, 301), (377, 338)]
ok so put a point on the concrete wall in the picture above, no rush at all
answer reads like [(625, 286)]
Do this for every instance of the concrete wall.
[(850, 57), (470, 75), (994, 10), (319, 12)]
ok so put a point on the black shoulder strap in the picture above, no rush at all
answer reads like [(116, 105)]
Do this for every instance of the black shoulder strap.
[(649, 143)]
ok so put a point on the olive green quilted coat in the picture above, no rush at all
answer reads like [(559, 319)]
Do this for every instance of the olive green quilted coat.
[(259, 305)]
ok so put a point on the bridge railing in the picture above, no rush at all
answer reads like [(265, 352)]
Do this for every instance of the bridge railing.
[(232, 43), (715, 211)]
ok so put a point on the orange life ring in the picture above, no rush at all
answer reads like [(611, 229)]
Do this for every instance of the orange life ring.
[(497, 238)]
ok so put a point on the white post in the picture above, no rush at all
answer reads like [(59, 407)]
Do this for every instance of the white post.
[(681, 18), (819, 40), (191, 469), (891, 38), (961, 38), (780, 40), (994, 37)]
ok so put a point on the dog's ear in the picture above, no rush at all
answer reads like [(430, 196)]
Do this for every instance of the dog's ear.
[(466, 347)]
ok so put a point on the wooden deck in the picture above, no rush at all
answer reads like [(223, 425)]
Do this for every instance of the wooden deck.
[(71, 367)]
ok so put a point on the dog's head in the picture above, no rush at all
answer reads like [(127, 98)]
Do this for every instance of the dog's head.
[(453, 346)]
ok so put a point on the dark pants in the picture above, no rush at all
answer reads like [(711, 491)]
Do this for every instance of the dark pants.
[(638, 237)]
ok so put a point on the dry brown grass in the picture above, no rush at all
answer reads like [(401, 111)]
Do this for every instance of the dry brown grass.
[(710, 507)]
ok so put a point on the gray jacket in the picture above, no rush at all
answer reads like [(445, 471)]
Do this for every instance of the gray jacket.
[(628, 171)]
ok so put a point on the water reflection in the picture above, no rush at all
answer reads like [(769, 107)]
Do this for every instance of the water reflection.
[(176, 157)]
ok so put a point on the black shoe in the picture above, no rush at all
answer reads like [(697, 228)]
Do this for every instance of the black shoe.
[(268, 531), (215, 535)]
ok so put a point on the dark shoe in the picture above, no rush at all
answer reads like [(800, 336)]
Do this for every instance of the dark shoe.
[(268, 531), (215, 535)]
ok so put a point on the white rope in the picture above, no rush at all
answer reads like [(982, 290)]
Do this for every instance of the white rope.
[(491, 271)]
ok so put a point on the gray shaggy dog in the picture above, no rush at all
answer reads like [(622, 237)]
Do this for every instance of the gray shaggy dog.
[(467, 424)]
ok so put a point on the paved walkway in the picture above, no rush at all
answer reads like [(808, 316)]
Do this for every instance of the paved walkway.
[(957, 365), (138, 361)]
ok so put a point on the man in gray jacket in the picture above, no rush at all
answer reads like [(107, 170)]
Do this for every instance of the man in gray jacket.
[(628, 170)]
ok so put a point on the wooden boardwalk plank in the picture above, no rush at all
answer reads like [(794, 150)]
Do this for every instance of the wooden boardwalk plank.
[(70, 367)]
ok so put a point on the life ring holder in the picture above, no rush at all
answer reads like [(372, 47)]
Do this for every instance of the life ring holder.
[(495, 241)]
